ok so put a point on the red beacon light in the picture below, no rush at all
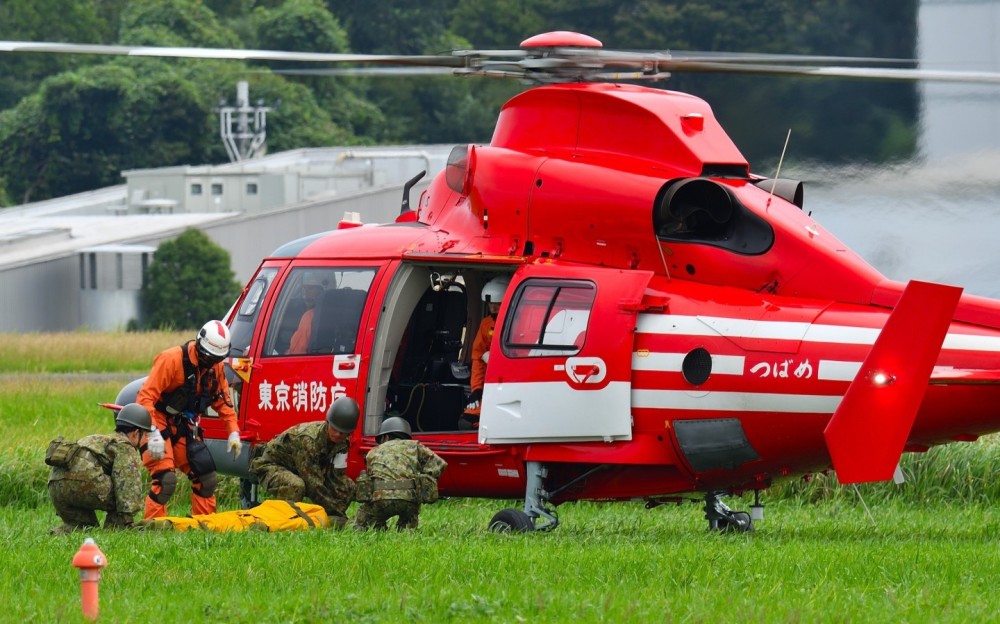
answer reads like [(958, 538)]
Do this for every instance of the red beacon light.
[(350, 220), (561, 39), (693, 123)]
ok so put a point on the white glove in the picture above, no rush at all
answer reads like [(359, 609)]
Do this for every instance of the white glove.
[(155, 445), (486, 357), (235, 446)]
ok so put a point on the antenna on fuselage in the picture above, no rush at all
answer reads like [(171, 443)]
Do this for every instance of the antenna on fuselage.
[(777, 174), (663, 259), (405, 207)]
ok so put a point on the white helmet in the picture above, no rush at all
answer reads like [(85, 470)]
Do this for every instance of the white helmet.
[(214, 339), (495, 288), (312, 278)]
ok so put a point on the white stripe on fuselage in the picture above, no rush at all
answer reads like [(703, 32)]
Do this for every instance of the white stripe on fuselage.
[(735, 401), (828, 370), (671, 325), (672, 363)]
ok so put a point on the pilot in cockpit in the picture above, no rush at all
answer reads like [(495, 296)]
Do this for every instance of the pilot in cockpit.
[(312, 290)]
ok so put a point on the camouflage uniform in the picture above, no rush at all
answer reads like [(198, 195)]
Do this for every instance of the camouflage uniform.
[(299, 463), (104, 474), (393, 468)]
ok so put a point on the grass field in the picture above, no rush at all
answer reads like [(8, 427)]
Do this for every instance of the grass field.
[(84, 352), (923, 552)]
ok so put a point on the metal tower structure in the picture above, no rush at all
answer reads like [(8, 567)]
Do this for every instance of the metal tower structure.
[(243, 128)]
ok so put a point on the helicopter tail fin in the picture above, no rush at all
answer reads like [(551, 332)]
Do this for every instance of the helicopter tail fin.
[(867, 433)]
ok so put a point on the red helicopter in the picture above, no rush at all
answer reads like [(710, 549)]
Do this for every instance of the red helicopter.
[(672, 324)]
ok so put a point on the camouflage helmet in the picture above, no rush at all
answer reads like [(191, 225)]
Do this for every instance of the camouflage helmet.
[(134, 415), (343, 415), (394, 424)]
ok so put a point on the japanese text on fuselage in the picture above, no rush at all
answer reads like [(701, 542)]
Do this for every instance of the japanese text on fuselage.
[(783, 369), (302, 396)]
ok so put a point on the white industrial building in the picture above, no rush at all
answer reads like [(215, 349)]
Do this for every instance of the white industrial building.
[(78, 261)]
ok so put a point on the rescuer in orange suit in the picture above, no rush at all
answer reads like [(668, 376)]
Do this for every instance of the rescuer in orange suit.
[(492, 295), (182, 384)]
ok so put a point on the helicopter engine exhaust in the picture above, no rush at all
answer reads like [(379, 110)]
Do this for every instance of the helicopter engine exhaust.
[(694, 208), (788, 190), (700, 210)]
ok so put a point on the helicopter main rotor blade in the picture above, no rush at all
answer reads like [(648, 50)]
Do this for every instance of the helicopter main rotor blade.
[(450, 60), (627, 57), (365, 71), (543, 64), (764, 57), (873, 73), (227, 54)]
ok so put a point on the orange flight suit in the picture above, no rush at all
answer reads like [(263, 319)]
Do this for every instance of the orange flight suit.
[(300, 339), (166, 376), (480, 345)]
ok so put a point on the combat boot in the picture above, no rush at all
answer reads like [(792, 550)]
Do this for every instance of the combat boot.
[(62, 529), (118, 521)]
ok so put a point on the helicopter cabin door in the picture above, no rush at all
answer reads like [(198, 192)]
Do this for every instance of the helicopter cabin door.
[(560, 366), (310, 341)]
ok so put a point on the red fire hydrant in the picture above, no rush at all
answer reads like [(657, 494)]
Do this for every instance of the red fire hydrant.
[(89, 559)]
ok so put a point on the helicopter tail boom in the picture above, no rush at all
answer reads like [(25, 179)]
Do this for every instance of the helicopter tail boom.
[(867, 433)]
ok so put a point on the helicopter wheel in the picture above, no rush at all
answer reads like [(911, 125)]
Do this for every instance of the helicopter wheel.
[(723, 519), (511, 521), (739, 522)]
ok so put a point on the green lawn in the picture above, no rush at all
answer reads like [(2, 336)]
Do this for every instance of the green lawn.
[(615, 562), (926, 553)]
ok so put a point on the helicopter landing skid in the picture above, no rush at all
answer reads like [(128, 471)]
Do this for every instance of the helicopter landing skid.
[(721, 518)]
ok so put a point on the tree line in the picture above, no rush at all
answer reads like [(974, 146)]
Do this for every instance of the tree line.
[(72, 123)]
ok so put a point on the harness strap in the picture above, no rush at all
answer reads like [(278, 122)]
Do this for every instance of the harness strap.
[(302, 514), (186, 398)]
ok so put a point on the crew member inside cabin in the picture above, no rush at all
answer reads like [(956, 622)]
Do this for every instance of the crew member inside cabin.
[(493, 293), (312, 291), (183, 383)]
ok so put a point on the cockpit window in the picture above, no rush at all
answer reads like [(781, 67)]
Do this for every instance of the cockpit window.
[(257, 290), (245, 320), (319, 311)]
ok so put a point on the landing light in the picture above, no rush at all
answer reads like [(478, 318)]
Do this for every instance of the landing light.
[(881, 378)]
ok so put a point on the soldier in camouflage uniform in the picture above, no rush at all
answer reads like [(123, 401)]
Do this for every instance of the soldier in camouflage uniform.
[(401, 473), (99, 472), (310, 460)]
